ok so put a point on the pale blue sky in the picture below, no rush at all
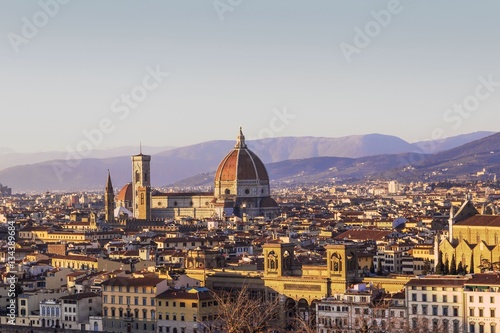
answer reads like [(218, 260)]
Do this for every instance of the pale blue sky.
[(264, 56)]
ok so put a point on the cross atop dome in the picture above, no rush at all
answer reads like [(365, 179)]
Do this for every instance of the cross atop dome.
[(240, 141)]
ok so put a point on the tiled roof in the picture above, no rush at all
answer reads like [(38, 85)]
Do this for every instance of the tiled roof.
[(481, 221), (133, 282), (445, 281), (487, 279), (363, 234), (241, 164)]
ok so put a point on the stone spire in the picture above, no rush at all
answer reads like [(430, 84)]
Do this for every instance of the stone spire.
[(240, 141), (109, 200), (451, 222), (109, 185)]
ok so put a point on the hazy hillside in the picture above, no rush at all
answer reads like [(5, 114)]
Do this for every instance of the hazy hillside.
[(296, 159), (9, 158), (434, 146)]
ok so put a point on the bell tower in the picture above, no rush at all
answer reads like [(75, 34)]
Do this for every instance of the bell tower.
[(278, 259), (109, 200), (141, 186), (342, 266)]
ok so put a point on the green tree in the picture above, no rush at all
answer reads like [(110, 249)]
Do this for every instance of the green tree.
[(440, 265), (453, 265), (446, 267), (472, 264), (460, 268)]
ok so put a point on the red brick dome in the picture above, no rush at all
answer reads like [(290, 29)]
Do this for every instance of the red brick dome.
[(241, 164)]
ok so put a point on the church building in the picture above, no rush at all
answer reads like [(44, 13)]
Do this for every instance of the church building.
[(473, 238), (241, 188)]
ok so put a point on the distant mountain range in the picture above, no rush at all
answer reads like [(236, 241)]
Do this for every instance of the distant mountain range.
[(299, 159)]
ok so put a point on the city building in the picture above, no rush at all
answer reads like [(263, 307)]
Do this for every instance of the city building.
[(190, 310), (436, 303), (241, 188), (129, 303), (482, 303)]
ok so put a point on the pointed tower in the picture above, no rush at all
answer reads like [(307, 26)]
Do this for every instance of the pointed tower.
[(141, 186), (109, 200), (451, 222)]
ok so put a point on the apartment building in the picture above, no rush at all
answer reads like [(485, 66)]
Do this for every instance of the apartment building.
[(482, 303), (190, 310), (436, 303), (129, 303)]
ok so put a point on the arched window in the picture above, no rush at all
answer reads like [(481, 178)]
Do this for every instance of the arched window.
[(137, 176), (336, 262)]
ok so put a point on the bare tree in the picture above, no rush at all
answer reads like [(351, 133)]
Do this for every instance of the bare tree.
[(241, 312)]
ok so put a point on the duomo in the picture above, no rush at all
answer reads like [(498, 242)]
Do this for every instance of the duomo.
[(241, 189)]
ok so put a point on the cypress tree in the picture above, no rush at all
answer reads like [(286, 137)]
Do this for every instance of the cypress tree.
[(446, 268), (453, 265), (439, 265), (460, 268), (472, 264)]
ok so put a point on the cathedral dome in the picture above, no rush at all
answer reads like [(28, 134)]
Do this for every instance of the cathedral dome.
[(241, 164), (125, 193)]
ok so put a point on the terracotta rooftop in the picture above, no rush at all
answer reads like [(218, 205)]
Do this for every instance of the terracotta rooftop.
[(139, 282), (487, 279), (481, 221), (241, 164), (362, 234)]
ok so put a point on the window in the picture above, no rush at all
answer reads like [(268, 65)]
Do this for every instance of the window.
[(414, 309), (492, 313), (424, 297), (471, 299), (414, 297), (424, 309), (144, 301), (455, 299), (194, 305), (434, 310), (445, 311), (471, 312), (445, 298), (182, 304), (472, 328), (481, 328), (152, 301), (492, 299), (136, 300), (434, 298), (481, 312), (120, 299), (493, 328), (480, 299)]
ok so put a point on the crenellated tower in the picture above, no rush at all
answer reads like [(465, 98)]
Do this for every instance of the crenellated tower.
[(141, 186)]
